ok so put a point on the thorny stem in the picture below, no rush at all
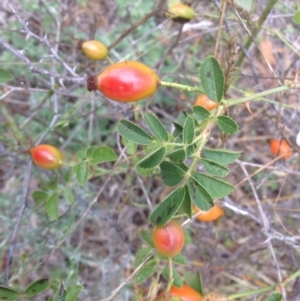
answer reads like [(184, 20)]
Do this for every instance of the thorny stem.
[(265, 289), (256, 30), (232, 102), (182, 87), (170, 275), (13, 237)]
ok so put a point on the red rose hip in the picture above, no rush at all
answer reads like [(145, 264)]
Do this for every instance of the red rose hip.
[(46, 156), (125, 82), (169, 239)]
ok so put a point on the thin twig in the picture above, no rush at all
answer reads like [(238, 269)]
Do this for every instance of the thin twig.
[(12, 241), (136, 25), (220, 28)]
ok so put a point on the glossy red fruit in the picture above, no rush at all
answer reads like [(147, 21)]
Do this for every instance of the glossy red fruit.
[(169, 239), (205, 102), (185, 293), (125, 82), (46, 156), (280, 147), (180, 13), (94, 50)]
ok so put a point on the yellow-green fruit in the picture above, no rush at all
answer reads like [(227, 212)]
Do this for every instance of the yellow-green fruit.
[(180, 13), (94, 50)]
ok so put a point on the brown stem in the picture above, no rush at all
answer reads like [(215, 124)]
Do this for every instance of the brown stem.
[(256, 30)]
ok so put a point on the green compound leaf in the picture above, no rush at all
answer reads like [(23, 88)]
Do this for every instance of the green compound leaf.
[(141, 255), (178, 129), (5, 76), (200, 113), (37, 287), (73, 292), (68, 175), (103, 154), (52, 206), (227, 125), (176, 277), (177, 155), (214, 168), (144, 273), (188, 130), (216, 187), (60, 294), (146, 236), (8, 294), (190, 150), (186, 206), (167, 208), (296, 18), (221, 156), (81, 171), (156, 127), (212, 79), (51, 185), (275, 297), (171, 173), (69, 197), (131, 147), (133, 132), (182, 117), (81, 155), (194, 281), (199, 195), (153, 159), (40, 196), (89, 152), (179, 259)]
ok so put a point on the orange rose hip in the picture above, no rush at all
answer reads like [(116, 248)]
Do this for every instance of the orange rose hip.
[(280, 147), (127, 81), (205, 102), (46, 156), (169, 239), (185, 293), (212, 214)]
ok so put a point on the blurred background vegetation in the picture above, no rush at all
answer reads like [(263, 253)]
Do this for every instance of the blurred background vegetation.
[(232, 254)]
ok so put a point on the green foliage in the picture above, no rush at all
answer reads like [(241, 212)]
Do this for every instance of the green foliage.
[(227, 125), (165, 210), (7, 293), (176, 277), (195, 281), (5, 76), (141, 255), (212, 79), (146, 236), (52, 206), (169, 151), (133, 132), (144, 273), (156, 127), (72, 292), (275, 297), (153, 159), (37, 287), (296, 18)]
